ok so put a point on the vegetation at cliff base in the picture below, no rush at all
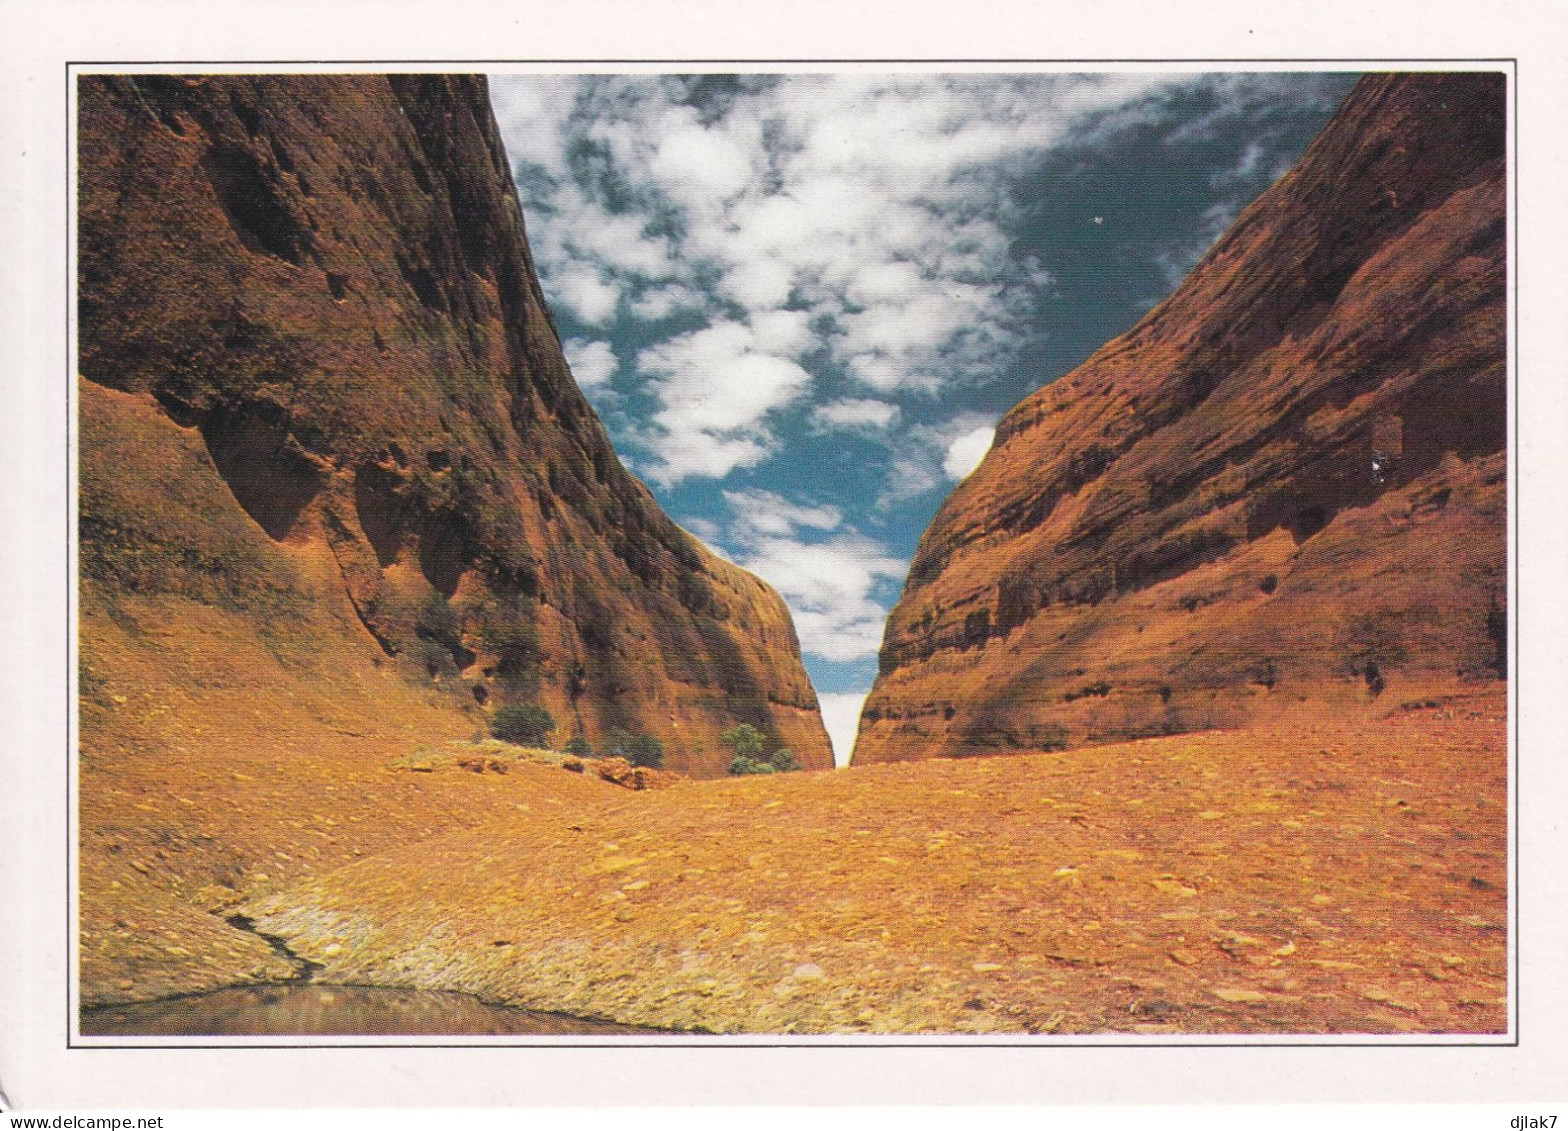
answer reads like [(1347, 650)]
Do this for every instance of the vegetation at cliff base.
[(749, 753), (638, 749), (526, 724)]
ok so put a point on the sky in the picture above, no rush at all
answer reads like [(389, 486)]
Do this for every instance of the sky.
[(801, 302)]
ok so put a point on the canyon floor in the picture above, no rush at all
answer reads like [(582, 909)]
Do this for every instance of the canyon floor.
[(1317, 875)]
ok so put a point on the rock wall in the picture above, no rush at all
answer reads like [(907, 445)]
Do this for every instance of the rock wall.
[(1287, 484), (322, 283)]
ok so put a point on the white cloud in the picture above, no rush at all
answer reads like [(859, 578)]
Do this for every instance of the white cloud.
[(841, 715), (935, 455), (531, 111), (908, 477), (659, 302), (827, 573), (872, 206), (695, 454), (764, 514), (590, 298), (855, 413), (705, 529), (702, 165), (593, 362), (759, 283), (715, 387), (829, 587), (617, 242), (965, 452), (783, 332)]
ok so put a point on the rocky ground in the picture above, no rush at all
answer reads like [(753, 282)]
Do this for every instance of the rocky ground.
[(1319, 876)]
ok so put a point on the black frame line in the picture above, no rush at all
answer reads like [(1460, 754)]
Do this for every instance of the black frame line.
[(727, 61), (686, 1041)]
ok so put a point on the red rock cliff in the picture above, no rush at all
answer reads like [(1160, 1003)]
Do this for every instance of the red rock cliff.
[(311, 297), (1286, 483)]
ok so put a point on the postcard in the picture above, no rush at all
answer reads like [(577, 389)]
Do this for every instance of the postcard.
[(671, 561)]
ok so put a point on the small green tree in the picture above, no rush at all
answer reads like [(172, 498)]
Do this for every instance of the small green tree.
[(645, 750), (526, 724), (748, 750), (744, 741), (578, 745)]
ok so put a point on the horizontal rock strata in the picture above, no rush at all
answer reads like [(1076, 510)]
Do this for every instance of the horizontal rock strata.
[(1287, 482)]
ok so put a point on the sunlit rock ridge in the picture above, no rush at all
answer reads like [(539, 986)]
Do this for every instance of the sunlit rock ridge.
[(310, 302), (1286, 485)]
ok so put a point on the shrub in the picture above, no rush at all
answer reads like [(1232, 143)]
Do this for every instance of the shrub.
[(578, 745), (748, 749), (745, 740), (527, 725), (645, 750), (740, 764)]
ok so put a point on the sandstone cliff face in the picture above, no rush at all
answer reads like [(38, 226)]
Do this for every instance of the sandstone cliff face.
[(1286, 483), (311, 330)]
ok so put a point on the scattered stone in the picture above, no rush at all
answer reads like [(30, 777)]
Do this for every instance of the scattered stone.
[(1238, 995), (618, 771)]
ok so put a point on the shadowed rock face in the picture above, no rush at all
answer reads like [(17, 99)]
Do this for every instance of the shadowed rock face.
[(323, 282), (1286, 483)]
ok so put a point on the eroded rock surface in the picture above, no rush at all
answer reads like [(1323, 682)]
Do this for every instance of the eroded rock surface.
[(310, 299), (1287, 482), (1314, 875)]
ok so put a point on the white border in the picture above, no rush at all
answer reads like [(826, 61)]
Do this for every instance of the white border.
[(35, 1067), (763, 1040)]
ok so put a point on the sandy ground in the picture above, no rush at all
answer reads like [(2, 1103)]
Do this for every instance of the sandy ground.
[(1317, 876)]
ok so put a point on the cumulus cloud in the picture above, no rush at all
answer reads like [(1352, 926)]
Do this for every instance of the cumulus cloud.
[(715, 387), (765, 514), (701, 165), (852, 413), (936, 455), (835, 579), (584, 292), (593, 362), (656, 303), (830, 586), (965, 452), (872, 209)]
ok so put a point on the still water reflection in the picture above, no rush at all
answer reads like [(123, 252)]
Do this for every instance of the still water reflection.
[(312, 1009)]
